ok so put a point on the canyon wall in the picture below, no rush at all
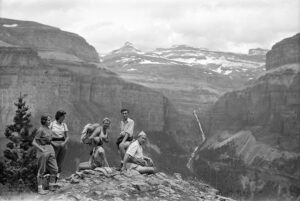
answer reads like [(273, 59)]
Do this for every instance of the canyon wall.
[(253, 145)]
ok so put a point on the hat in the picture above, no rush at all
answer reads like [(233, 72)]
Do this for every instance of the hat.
[(106, 119), (142, 133)]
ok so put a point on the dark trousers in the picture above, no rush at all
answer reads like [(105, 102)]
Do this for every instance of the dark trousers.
[(60, 153)]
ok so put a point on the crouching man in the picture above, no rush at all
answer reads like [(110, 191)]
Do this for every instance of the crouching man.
[(95, 136), (134, 158)]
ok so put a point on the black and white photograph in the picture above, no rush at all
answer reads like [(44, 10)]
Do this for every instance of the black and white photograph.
[(150, 100)]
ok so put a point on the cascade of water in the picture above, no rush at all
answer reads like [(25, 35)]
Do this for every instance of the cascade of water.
[(203, 139)]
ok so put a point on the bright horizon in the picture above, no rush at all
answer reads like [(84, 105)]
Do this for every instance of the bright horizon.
[(220, 25)]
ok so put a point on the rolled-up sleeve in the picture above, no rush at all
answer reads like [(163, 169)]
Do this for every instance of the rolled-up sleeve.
[(129, 127), (132, 149), (38, 134)]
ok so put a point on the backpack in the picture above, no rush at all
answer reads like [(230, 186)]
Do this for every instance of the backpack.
[(87, 132)]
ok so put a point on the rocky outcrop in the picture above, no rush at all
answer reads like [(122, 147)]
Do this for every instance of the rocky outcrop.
[(284, 52), (258, 51), (51, 42), (253, 134), (108, 184)]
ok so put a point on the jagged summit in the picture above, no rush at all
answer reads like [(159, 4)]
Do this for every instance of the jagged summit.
[(128, 47)]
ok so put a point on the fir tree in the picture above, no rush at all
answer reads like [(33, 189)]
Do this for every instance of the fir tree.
[(19, 168)]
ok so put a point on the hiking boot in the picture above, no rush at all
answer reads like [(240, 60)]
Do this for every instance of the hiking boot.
[(57, 177), (120, 167), (42, 191)]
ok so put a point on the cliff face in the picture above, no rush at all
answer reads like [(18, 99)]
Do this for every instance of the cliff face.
[(18, 56), (284, 52), (253, 134), (49, 41)]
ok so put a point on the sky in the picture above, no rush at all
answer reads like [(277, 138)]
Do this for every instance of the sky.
[(223, 25)]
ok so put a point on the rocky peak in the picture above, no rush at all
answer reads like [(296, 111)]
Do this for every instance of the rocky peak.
[(126, 48), (286, 51)]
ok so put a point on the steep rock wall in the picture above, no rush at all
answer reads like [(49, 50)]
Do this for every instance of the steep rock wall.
[(284, 52)]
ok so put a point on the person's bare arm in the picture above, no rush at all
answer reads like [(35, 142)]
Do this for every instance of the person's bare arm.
[(66, 137), (95, 133), (39, 147), (125, 161)]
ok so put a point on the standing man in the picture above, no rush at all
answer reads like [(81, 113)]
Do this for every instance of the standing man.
[(126, 135), (135, 159)]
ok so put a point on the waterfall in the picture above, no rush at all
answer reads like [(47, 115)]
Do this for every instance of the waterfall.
[(203, 139)]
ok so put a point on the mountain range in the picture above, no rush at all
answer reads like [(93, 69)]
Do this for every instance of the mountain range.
[(193, 78)]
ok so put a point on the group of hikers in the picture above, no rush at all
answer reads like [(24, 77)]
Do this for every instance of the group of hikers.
[(51, 139)]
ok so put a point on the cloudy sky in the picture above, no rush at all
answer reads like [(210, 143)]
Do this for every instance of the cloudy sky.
[(227, 25)]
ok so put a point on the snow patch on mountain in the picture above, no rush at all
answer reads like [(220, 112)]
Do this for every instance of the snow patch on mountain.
[(150, 62), (10, 25)]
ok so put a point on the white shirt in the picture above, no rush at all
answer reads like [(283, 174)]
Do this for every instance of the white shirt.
[(58, 129), (135, 150), (127, 126)]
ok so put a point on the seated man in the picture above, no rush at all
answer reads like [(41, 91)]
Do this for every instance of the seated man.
[(126, 134), (134, 158), (96, 135)]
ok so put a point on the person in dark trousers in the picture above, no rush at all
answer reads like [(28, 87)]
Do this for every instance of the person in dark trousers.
[(60, 138), (45, 154), (126, 134)]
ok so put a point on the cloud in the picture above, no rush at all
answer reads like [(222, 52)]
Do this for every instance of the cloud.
[(229, 25)]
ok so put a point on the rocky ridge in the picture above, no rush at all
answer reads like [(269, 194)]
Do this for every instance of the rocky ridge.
[(101, 184), (49, 42)]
